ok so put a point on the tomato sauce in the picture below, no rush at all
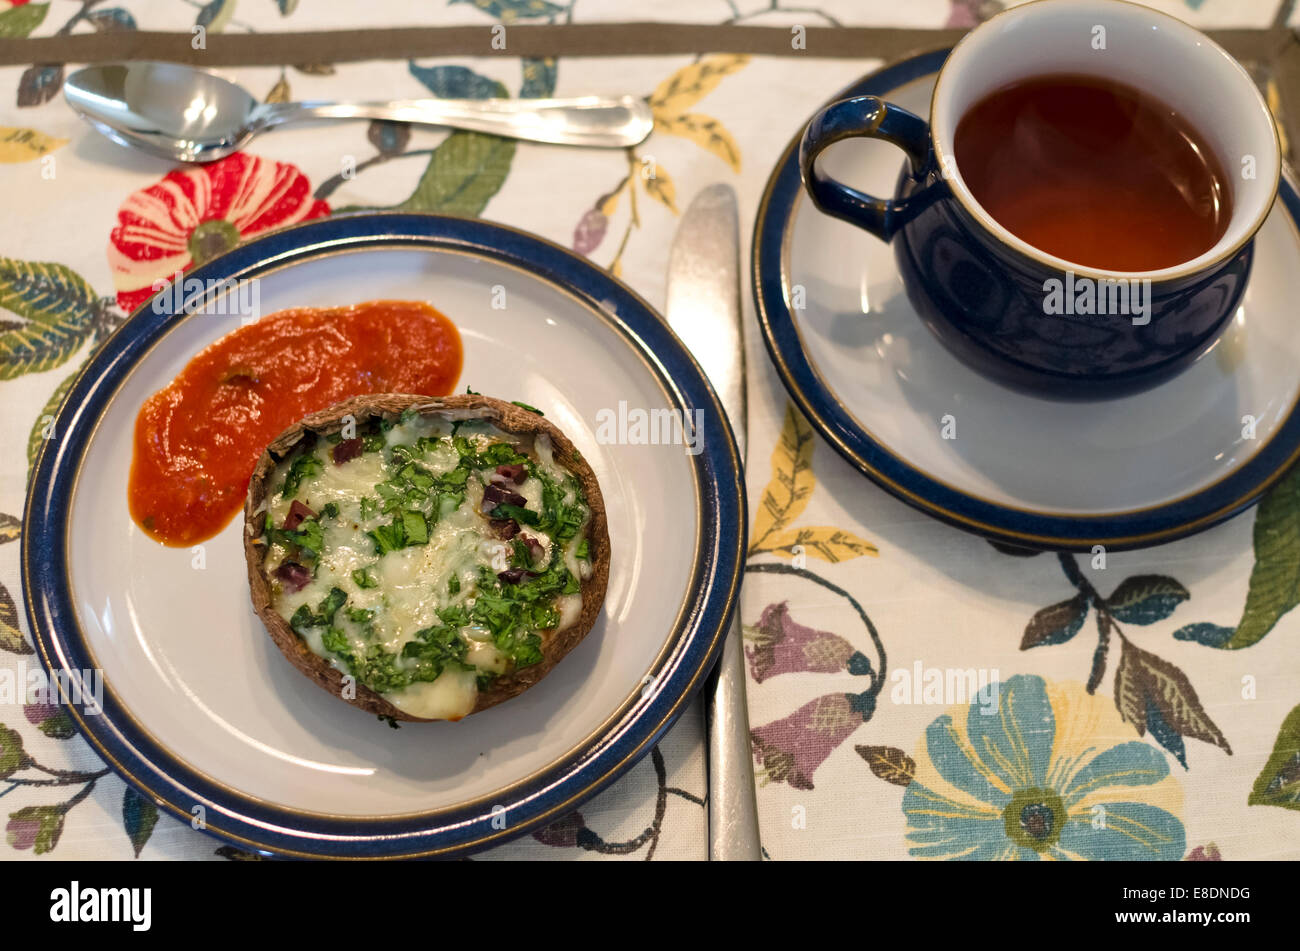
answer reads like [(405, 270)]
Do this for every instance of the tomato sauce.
[(198, 439)]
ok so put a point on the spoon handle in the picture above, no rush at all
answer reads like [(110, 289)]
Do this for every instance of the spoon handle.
[(589, 120)]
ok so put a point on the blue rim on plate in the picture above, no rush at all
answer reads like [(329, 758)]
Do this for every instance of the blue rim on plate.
[(1023, 528), (629, 734)]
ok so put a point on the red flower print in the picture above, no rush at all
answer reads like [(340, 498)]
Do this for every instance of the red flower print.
[(193, 214)]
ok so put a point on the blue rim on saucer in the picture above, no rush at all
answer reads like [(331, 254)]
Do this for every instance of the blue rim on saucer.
[(630, 733), (1024, 528)]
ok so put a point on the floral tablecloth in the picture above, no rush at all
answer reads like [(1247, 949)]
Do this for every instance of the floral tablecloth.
[(1148, 705)]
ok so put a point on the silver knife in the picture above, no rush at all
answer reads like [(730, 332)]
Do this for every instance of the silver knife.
[(703, 309)]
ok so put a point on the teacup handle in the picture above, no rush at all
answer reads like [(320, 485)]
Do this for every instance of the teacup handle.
[(871, 118)]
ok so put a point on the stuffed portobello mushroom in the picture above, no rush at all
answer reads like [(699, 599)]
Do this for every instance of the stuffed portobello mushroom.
[(425, 558)]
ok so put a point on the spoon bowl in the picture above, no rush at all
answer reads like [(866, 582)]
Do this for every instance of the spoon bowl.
[(165, 109)]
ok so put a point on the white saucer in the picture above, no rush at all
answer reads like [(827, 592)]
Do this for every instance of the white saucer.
[(887, 395)]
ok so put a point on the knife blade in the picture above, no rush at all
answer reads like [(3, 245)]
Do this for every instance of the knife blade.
[(703, 309)]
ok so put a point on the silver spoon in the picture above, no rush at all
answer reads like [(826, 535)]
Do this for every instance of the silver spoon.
[(189, 115)]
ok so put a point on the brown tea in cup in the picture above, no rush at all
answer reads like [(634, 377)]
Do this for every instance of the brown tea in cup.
[(1093, 171)]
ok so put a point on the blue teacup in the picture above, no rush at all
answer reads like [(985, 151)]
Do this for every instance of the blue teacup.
[(1018, 314)]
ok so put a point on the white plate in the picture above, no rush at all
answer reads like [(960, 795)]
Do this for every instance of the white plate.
[(199, 696)]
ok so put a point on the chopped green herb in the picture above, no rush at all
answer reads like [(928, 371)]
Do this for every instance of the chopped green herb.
[(426, 444), (454, 616), (335, 641), (501, 454), (364, 579), (520, 556), (544, 616), (417, 476), (455, 478), (528, 651), (308, 539), (512, 613), (415, 528), (303, 619), (435, 648), (377, 669), (403, 454), (387, 537), (448, 502), (453, 585), (560, 519), (584, 550), (301, 468), (531, 409), (331, 510), (333, 601), (521, 515)]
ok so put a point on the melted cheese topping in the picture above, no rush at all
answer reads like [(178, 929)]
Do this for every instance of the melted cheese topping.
[(413, 583)]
